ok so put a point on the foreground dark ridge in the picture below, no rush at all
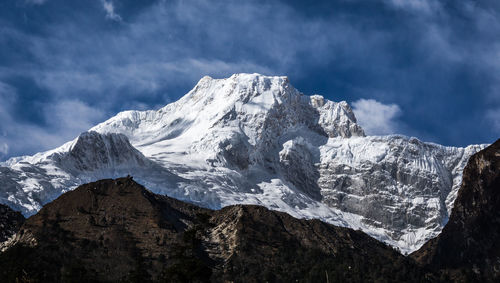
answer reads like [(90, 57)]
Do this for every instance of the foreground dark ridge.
[(468, 249), (116, 230)]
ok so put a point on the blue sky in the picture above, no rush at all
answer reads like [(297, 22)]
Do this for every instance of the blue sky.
[(424, 68)]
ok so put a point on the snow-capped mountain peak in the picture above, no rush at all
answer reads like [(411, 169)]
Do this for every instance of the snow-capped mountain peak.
[(248, 98), (254, 139)]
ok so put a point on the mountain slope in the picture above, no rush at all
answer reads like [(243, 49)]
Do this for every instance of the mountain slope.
[(115, 230), (253, 139), (10, 222), (468, 247), (31, 181)]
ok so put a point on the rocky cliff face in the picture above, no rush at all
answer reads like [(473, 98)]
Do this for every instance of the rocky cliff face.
[(116, 230), (253, 139), (468, 248), (10, 222)]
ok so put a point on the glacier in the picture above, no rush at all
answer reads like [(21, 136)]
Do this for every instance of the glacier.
[(254, 139)]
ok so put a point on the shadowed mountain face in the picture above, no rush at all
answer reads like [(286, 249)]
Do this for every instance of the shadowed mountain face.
[(116, 230), (10, 222), (469, 247)]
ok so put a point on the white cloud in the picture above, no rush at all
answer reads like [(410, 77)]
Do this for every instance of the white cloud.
[(376, 118), (110, 11)]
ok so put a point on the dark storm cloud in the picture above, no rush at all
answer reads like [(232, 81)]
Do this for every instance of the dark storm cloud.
[(437, 62)]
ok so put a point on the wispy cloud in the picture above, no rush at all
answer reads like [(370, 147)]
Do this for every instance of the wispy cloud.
[(4, 149), (421, 6), (7, 94), (109, 8), (170, 42), (63, 121), (437, 60), (161, 48), (70, 115), (377, 118)]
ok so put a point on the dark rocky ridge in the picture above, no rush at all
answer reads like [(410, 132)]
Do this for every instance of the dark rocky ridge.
[(116, 230), (10, 222), (468, 249)]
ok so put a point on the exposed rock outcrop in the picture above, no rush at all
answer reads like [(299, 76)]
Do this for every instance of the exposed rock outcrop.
[(468, 249), (116, 230), (10, 222)]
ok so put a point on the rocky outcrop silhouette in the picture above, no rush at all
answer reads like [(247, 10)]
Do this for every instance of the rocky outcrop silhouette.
[(116, 230)]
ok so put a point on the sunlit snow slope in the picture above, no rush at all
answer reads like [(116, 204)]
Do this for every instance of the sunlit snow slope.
[(257, 140)]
